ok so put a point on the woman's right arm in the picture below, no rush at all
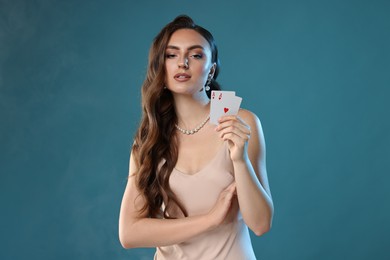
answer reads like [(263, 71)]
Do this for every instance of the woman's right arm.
[(138, 230)]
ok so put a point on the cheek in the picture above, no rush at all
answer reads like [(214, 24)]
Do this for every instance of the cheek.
[(170, 70), (205, 72), (202, 70), (168, 67)]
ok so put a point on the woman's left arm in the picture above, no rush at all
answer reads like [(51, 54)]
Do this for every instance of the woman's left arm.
[(247, 151)]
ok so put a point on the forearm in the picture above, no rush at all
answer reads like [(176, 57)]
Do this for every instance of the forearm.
[(255, 203), (152, 232)]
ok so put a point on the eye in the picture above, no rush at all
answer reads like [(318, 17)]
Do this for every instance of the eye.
[(170, 56), (197, 56)]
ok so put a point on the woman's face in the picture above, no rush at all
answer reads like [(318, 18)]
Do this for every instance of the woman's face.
[(187, 62)]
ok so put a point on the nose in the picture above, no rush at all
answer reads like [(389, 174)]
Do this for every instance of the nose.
[(183, 63)]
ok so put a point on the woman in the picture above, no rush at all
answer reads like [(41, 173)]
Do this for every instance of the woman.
[(193, 196)]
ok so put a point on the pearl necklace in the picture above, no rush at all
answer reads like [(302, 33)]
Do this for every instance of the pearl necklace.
[(193, 131)]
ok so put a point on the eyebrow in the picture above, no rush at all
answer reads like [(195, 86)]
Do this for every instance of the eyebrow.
[(189, 48)]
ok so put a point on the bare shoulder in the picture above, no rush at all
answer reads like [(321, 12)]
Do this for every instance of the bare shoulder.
[(133, 168), (250, 118)]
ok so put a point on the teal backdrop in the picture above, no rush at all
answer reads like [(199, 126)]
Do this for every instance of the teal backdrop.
[(317, 73)]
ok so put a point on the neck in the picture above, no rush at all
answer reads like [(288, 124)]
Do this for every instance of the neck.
[(191, 110)]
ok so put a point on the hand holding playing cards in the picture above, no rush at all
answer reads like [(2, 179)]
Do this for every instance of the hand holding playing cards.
[(234, 130), (223, 112)]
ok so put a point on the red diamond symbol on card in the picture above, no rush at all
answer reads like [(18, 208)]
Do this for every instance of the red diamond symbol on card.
[(226, 109)]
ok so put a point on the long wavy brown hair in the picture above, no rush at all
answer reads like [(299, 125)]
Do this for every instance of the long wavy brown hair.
[(155, 148)]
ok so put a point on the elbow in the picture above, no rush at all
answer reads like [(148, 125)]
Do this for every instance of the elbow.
[(263, 227), (261, 230), (124, 243), (265, 224), (126, 240), (128, 235)]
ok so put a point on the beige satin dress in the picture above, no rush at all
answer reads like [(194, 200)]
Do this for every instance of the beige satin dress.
[(199, 193)]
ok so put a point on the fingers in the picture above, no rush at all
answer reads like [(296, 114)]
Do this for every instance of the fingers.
[(234, 125), (236, 138), (234, 129), (232, 187), (231, 120), (221, 209), (229, 191), (224, 119)]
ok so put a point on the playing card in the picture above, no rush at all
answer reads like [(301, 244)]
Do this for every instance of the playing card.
[(231, 106), (223, 103), (218, 95), (217, 98)]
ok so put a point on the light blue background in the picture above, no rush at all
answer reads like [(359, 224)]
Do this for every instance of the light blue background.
[(317, 73)]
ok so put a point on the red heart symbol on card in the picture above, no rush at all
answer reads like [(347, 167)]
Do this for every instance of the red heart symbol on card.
[(226, 109)]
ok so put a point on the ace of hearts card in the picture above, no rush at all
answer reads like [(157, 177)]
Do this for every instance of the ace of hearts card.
[(223, 103)]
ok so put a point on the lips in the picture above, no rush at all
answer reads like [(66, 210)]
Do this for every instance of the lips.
[(182, 77)]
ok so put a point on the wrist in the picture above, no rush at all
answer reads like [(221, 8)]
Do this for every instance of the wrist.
[(240, 161), (208, 222), (241, 165)]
